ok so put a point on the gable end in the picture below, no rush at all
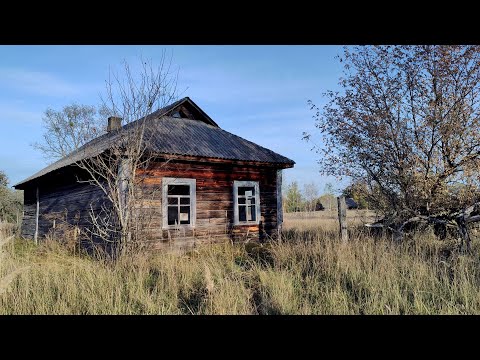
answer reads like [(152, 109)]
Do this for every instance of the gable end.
[(187, 109)]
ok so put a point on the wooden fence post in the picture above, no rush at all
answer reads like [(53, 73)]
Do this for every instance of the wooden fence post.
[(342, 218), (279, 205), (35, 237)]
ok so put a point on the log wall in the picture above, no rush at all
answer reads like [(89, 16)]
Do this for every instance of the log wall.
[(214, 202), (63, 199)]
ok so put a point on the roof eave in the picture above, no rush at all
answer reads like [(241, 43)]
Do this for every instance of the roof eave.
[(206, 159)]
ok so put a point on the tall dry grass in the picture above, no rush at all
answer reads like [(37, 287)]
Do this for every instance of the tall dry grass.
[(309, 272), (327, 220), (8, 271)]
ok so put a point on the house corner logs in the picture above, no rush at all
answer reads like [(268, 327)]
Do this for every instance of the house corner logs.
[(37, 215)]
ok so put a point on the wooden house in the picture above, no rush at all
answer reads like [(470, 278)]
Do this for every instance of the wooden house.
[(211, 185)]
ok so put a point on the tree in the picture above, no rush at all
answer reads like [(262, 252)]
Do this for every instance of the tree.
[(328, 198), (3, 179), (68, 129), (407, 122), (358, 191), (328, 189), (131, 97), (293, 198), (11, 201), (310, 191)]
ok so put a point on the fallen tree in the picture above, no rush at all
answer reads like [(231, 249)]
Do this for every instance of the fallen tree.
[(457, 220)]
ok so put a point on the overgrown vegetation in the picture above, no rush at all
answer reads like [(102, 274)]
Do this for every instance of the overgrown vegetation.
[(11, 202), (310, 272), (406, 123)]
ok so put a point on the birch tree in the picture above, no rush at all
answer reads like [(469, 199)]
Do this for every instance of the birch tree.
[(311, 195)]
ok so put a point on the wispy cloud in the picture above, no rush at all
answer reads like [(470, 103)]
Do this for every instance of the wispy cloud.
[(220, 86), (10, 114), (37, 82)]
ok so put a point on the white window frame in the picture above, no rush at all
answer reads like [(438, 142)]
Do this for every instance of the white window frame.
[(192, 183), (255, 185)]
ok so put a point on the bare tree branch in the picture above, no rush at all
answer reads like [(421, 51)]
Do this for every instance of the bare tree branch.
[(131, 96), (407, 122)]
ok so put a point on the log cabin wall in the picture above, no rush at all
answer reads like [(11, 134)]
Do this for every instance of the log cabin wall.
[(214, 202), (66, 201), (62, 200), (29, 212)]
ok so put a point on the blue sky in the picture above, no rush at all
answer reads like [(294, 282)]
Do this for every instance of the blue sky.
[(257, 92)]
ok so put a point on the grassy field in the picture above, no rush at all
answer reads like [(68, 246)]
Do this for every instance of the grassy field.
[(326, 220), (309, 272)]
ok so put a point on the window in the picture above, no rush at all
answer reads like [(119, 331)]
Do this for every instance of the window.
[(179, 114), (246, 196), (178, 202)]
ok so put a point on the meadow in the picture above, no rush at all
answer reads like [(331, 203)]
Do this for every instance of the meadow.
[(308, 272)]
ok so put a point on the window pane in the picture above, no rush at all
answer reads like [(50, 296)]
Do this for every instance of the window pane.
[(172, 201), (251, 201), (172, 215), (184, 214), (242, 213), (178, 190), (185, 201), (251, 215), (241, 200), (246, 190)]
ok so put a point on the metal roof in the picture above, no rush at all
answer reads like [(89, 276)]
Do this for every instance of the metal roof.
[(178, 136)]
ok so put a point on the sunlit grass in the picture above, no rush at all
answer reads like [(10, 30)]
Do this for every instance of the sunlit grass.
[(308, 272)]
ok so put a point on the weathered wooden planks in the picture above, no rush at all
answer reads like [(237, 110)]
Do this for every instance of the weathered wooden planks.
[(62, 196), (63, 199), (215, 197)]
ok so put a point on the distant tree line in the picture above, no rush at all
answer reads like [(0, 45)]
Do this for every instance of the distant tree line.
[(310, 199)]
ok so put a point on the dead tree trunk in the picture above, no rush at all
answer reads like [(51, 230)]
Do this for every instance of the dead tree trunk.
[(124, 184), (463, 231)]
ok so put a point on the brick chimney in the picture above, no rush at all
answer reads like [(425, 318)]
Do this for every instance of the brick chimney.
[(114, 123)]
